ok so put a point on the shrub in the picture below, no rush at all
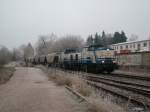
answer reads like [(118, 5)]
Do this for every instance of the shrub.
[(61, 80), (84, 89)]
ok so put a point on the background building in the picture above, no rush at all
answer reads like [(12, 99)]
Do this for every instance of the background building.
[(29, 51), (130, 47)]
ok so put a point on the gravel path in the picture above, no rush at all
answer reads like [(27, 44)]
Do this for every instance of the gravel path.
[(30, 91)]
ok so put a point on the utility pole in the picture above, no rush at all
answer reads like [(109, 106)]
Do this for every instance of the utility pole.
[(42, 37)]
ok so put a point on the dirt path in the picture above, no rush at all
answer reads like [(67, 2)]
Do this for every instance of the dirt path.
[(30, 91)]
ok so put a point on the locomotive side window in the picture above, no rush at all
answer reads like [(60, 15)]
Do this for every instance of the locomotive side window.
[(139, 45), (56, 59), (144, 44), (133, 45), (76, 56), (71, 57), (38, 60)]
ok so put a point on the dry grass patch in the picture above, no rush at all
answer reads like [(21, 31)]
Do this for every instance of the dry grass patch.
[(84, 89), (99, 105), (61, 80), (52, 77), (5, 74), (72, 81)]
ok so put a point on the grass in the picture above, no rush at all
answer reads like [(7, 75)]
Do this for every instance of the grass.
[(100, 105), (84, 89), (96, 103), (72, 81), (61, 80), (5, 74)]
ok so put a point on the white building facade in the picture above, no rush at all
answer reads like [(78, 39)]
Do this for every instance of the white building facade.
[(133, 46)]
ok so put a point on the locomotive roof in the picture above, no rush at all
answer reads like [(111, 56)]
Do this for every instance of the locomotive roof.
[(71, 50), (94, 45), (98, 47)]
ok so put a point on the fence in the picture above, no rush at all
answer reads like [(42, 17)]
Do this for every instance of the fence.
[(136, 60)]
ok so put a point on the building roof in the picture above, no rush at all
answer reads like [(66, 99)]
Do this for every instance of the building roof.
[(130, 42)]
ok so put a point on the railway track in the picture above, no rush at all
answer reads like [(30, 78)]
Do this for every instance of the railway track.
[(135, 87), (134, 98), (124, 80), (136, 92), (145, 78)]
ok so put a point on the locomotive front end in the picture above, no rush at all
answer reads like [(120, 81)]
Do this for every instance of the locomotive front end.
[(105, 59)]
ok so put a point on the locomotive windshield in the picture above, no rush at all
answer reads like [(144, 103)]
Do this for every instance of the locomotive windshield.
[(67, 51), (104, 48)]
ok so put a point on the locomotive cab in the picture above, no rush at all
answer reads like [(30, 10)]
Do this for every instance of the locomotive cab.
[(71, 59), (98, 59), (105, 59)]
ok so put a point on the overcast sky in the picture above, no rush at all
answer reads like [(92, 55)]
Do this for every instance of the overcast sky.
[(21, 21)]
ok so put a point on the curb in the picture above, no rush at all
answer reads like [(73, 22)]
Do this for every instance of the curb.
[(77, 94)]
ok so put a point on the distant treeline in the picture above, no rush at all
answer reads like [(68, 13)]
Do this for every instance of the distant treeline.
[(106, 39)]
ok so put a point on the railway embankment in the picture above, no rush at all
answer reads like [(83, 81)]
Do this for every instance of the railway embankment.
[(93, 102)]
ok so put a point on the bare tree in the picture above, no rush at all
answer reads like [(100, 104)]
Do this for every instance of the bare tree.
[(5, 56), (51, 43), (133, 37), (45, 44), (28, 51), (108, 39), (19, 53), (69, 41)]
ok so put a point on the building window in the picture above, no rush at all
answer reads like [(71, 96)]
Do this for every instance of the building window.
[(138, 46), (130, 45), (121, 47), (71, 57), (126, 46), (133, 45), (145, 44)]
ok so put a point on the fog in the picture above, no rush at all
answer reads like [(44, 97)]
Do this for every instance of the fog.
[(22, 21)]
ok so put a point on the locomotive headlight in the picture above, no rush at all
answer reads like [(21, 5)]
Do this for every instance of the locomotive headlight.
[(103, 61), (114, 61)]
